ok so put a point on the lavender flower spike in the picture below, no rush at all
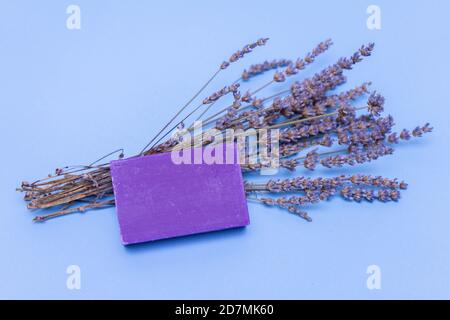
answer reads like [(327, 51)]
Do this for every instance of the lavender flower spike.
[(246, 49)]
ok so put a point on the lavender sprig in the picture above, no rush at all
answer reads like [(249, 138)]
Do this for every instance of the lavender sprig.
[(241, 53), (353, 188), (260, 68)]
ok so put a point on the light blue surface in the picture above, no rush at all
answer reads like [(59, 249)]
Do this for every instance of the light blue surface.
[(70, 96)]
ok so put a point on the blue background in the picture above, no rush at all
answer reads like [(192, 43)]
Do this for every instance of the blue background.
[(70, 96)]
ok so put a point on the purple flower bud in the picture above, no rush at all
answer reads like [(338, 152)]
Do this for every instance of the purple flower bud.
[(279, 77), (311, 160), (375, 104), (405, 135)]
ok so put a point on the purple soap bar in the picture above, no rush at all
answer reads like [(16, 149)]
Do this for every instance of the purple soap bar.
[(157, 199)]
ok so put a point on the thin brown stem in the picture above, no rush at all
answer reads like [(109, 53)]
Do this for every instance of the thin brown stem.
[(74, 210), (288, 123), (181, 110)]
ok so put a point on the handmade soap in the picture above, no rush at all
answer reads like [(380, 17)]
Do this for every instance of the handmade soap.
[(157, 198)]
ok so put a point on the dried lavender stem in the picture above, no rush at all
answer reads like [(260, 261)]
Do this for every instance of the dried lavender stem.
[(73, 196), (190, 114), (262, 87), (73, 210), (288, 123), (210, 105), (357, 179), (181, 110), (178, 124)]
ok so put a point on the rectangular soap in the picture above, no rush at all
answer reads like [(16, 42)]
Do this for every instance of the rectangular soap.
[(157, 198)]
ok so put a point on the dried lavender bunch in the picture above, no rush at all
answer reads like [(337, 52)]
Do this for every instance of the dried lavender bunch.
[(310, 116)]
